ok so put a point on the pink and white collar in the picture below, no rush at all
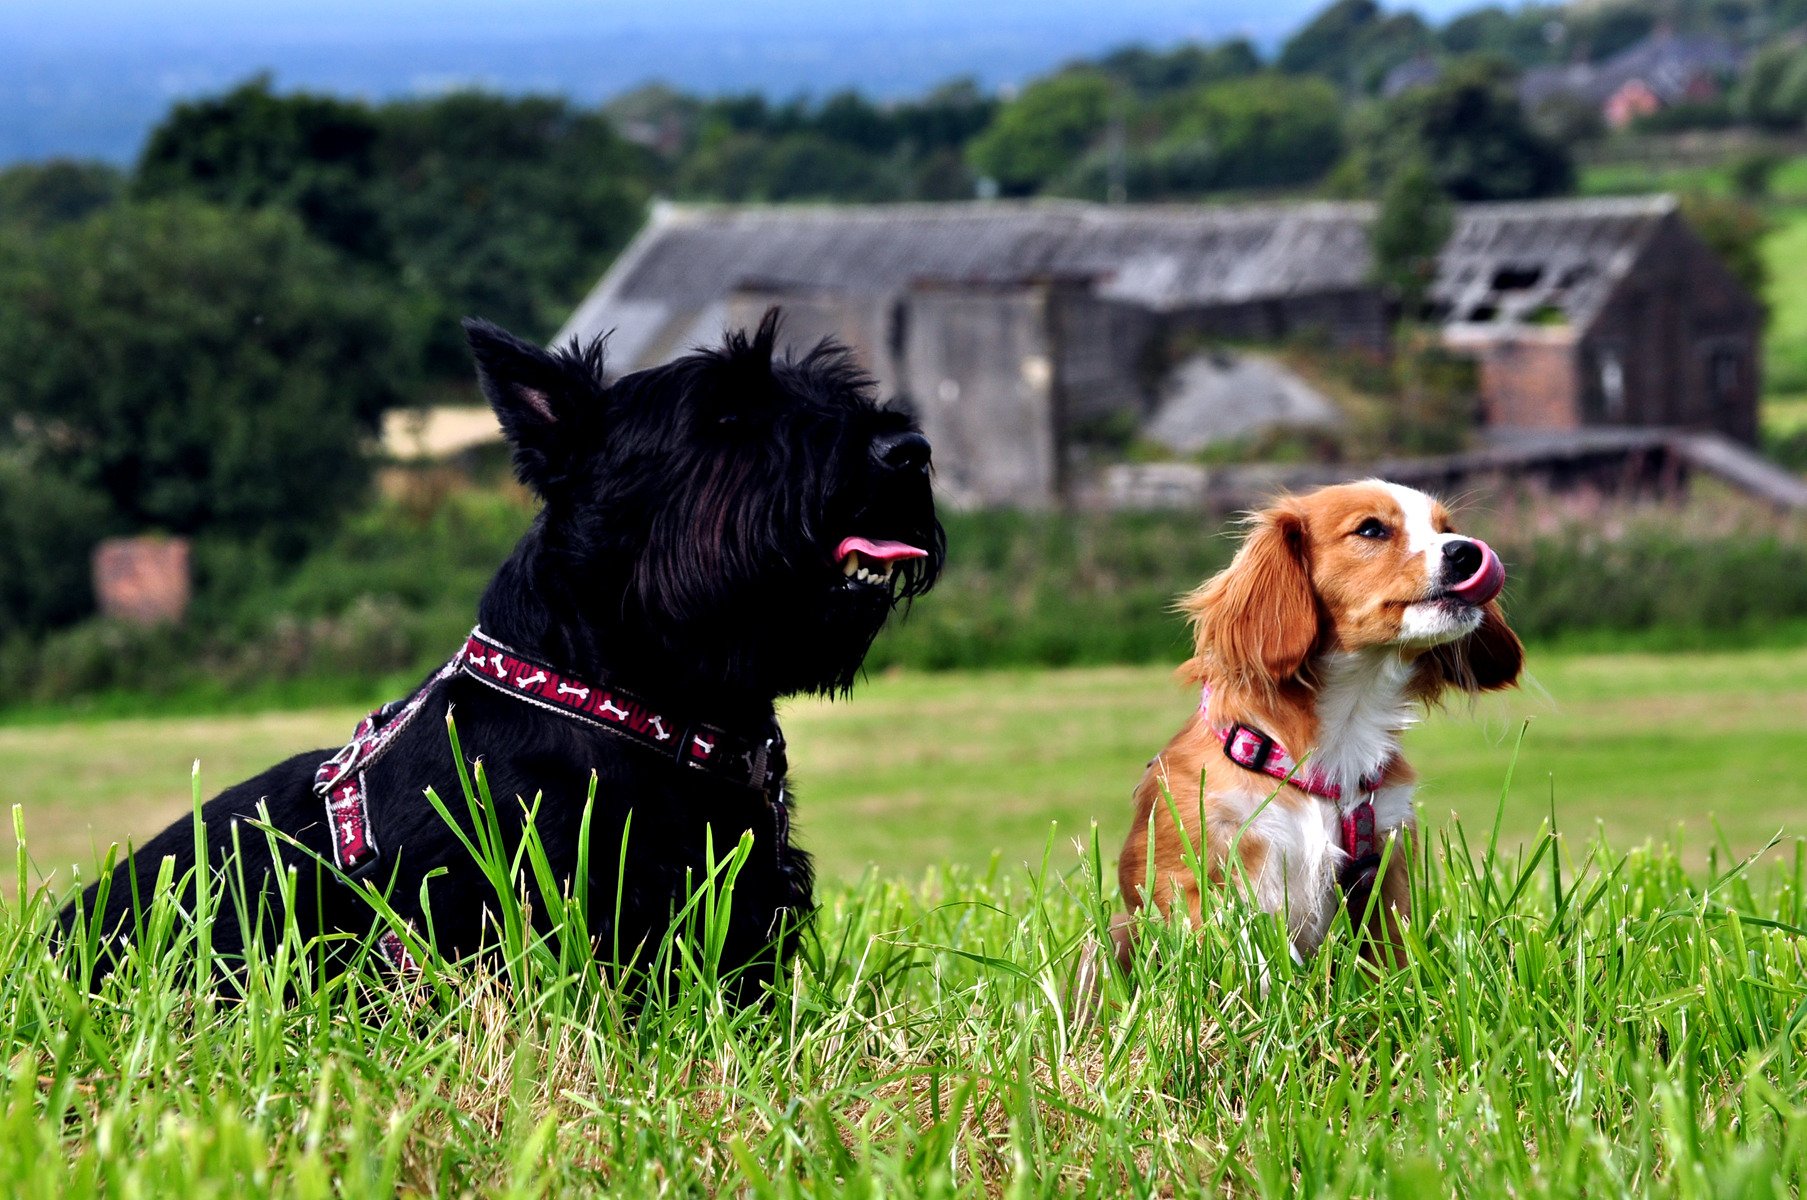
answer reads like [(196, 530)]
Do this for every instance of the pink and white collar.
[(1254, 750)]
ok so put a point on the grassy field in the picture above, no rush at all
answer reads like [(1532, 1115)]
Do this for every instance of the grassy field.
[(918, 770), (1633, 1028), (1785, 338)]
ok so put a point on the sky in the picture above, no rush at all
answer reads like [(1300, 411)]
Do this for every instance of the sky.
[(87, 78)]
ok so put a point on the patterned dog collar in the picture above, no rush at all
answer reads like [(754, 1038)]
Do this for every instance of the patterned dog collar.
[(757, 762)]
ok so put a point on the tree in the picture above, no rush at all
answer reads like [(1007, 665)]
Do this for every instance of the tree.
[(1043, 132), (1268, 131), (497, 206), (1156, 73), (1354, 44), (504, 207), (1410, 226), (1468, 127), (1773, 92), (250, 148), (40, 196), (48, 525), (202, 370)]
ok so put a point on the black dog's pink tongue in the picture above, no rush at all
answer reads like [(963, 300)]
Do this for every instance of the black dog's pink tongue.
[(878, 551)]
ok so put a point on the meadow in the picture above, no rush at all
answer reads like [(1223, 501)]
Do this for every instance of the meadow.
[(1614, 1010), (917, 770)]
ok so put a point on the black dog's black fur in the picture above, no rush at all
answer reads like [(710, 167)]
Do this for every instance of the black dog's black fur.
[(685, 550)]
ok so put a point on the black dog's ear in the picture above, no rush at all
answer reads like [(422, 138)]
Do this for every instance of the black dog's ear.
[(538, 396)]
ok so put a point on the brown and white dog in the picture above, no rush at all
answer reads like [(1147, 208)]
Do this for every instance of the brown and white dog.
[(1342, 613)]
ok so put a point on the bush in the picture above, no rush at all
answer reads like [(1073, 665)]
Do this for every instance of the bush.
[(48, 526), (391, 596)]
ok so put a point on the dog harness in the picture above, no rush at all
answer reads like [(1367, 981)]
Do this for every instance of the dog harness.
[(342, 781), (1253, 750)]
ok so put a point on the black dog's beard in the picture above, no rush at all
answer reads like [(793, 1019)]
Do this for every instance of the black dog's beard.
[(779, 631), (744, 568)]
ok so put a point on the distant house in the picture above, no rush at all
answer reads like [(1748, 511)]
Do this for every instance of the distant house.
[(1018, 331), (1663, 70)]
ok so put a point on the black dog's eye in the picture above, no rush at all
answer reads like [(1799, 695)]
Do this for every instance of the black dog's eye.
[(1373, 527)]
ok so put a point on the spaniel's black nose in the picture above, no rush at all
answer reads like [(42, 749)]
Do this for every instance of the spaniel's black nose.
[(1461, 559), (901, 451)]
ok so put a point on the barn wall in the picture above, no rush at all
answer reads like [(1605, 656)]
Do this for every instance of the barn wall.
[(980, 364), (1684, 335), (1105, 356), (862, 324), (1527, 381), (1346, 318)]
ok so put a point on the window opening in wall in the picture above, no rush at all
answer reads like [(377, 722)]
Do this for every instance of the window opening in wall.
[(1516, 279), (1724, 371), (1612, 385)]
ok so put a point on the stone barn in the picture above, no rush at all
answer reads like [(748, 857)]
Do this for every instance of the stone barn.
[(1600, 312), (1020, 332)]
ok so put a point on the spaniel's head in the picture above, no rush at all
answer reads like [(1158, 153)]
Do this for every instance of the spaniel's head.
[(1349, 568)]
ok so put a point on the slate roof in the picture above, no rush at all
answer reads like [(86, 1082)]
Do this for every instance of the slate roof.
[(670, 289), (1667, 63), (1508, 263)]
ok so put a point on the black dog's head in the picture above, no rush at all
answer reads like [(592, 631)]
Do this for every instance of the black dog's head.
[(746, 520)]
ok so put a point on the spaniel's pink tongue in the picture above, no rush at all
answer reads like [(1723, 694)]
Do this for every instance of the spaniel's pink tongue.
[(1487, 580), (877, 551)]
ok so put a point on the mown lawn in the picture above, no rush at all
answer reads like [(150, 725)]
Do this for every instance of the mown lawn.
[(918, 770)]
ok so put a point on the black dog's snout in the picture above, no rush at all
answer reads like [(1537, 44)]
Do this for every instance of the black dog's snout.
[(901, 451), (1461, 559)]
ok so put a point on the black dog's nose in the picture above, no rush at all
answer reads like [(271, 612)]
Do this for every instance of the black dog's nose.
[(901, 451), (1461, 559)]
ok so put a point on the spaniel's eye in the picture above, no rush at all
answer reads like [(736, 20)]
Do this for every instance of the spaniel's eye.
[(1373, 527)]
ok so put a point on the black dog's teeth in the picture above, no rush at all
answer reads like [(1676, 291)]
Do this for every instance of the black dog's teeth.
[(879, 574)]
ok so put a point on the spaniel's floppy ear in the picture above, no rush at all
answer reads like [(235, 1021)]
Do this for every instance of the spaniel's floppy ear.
[(1256, 621), (1486, 660)]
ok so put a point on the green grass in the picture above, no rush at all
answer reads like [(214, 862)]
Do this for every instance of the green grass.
[(1569, 1022), (921, 769), (1785, 340)]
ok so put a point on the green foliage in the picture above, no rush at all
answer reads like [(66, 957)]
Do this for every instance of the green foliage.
[(250, 148), (1783, 251), (1354, 43), (40, 196), (1470, 130), (1040, 135), (1410, 227), (797, 166), (1184, 67), (1569, 1020), (847, 148), (1773, 92), (48, 526), (502, 207), (1264, 131), (1735, 230), (389, 596), (508, 208), (1520, 35), (203, 370)]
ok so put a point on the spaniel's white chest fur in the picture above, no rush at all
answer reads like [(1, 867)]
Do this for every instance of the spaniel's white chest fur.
[(1302, 837)]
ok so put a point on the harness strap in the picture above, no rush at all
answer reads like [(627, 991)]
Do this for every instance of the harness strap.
[(342, 781), (1254, 750)]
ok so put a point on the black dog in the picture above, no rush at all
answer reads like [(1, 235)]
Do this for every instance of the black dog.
[(716, 533)]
